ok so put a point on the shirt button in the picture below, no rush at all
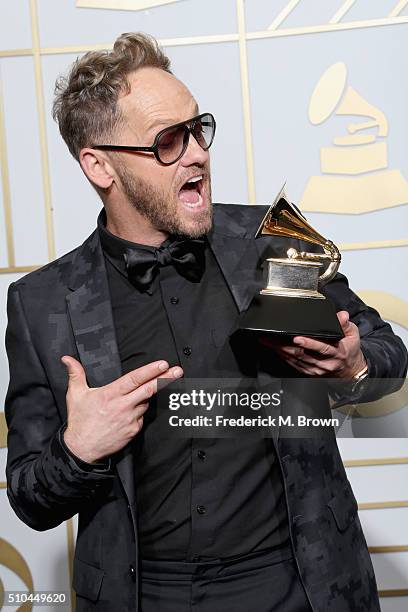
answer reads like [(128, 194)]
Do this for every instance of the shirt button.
[(187, 351), (174, 300), (201, 454), (132, 573), (201, 509)]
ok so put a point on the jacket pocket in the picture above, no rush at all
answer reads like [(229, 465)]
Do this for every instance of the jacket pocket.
[(344, 507), (87, 580)]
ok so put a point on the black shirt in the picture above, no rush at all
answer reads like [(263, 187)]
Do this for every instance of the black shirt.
[(198, 499)]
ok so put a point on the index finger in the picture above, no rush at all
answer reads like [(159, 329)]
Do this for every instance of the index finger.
[(146, 391), (310, 344), (134, 379)]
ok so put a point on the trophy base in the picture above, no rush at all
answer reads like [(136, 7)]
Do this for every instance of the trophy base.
[(290, 292), (292, 316)]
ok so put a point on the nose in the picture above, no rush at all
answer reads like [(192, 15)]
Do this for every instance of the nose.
[(194, 154)]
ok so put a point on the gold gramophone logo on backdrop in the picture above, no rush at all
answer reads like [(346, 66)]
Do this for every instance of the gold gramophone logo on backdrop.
[(13, 560), (355, 176), (10, 557)]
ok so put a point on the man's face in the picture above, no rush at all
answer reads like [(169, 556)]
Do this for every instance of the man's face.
[(157, 100)]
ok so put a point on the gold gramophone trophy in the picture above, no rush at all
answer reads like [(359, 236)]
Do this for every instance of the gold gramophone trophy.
[(291, 304)]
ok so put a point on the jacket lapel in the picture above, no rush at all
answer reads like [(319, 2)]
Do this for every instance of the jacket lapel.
[(237, 255), (90, 311), (240, 258)]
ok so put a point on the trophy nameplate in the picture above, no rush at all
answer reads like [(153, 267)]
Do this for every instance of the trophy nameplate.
[(291, 304)]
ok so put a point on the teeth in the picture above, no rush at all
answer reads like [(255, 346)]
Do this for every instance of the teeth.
[(195, 179)]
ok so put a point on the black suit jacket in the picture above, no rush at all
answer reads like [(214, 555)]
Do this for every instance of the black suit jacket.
[(64, 309)]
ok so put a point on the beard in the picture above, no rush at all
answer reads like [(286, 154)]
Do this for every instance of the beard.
[(161, 209)]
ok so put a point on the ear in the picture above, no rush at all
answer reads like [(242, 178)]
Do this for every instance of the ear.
[(97, 167)]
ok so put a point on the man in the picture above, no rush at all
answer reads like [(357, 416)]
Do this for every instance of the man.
[(156, 291)]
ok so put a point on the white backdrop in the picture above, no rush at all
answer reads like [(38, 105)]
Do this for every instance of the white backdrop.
[(255, 64)]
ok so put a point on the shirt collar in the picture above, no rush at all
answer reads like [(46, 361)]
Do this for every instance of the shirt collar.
[(115, 247)]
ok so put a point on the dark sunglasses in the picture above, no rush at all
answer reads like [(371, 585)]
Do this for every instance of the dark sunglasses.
[(171, 143)]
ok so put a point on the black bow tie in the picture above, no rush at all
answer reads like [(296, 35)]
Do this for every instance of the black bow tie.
[(187, 257)]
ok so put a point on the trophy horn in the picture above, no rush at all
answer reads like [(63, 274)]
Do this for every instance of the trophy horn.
[(285, 219)]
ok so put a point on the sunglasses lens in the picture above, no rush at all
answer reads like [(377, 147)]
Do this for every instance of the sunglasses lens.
[(174, 140), (171, 143), (204, 130)]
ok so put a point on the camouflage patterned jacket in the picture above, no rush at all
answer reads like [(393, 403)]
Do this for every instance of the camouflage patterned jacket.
[(64, 309)]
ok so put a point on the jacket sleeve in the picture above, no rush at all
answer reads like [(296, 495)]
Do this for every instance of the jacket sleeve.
[(45, 484), (384, 351)]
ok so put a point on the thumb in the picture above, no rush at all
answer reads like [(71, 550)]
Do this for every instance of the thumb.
[(76, 373), (343, 317)]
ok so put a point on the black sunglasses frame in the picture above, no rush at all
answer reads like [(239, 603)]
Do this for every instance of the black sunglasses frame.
[(188, 129)]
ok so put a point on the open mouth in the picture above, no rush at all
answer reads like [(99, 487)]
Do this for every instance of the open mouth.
[(191, 193)]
